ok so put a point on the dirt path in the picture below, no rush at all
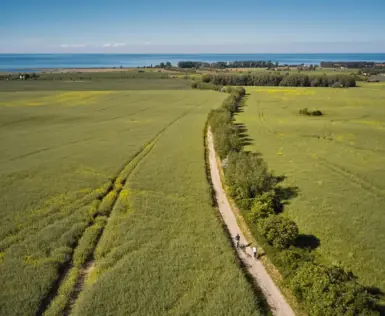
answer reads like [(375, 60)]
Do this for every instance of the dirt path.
[(273, 295)]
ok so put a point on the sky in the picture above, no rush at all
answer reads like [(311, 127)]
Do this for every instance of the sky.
[(191, 26)]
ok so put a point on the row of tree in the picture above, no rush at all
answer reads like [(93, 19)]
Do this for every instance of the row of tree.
[(278, 79), (348, 64), (231, 64), (321, 290), (21, 76), (166, 65)]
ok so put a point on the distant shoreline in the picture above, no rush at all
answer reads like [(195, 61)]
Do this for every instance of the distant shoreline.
[(102, 62)]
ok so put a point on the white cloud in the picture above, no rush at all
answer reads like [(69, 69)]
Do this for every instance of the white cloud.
[(73, 45), (108, 45), (119, 44)]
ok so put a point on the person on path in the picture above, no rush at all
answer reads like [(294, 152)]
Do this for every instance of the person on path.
[(237, 239), (255, 252)]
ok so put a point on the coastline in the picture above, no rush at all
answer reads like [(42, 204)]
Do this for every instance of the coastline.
[(112, 62)]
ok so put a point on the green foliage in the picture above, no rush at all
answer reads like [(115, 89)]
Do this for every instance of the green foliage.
[(330, 291), (279, 231), (226, 138), (277, 79), (289, 260), (205, 86), (263, 206), (247, 176), (232, 64)]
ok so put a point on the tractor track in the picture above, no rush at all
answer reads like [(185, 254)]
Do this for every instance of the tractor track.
[(121, 177)]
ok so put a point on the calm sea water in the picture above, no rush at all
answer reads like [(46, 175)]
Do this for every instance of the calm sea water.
[(19, 62)]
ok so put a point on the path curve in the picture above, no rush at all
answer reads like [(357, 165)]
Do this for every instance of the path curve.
[(273, 295)]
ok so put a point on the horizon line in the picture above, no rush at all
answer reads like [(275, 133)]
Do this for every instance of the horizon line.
[(192, 53)]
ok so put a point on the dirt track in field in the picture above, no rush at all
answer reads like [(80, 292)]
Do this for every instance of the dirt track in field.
[(273, 295)]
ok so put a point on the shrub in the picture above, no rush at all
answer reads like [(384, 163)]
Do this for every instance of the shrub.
[(263, 207), (291, 259), (317, 113), (337, 85), (280, 232), (330, 291), (306, 112), (226, 140), (247, 177)]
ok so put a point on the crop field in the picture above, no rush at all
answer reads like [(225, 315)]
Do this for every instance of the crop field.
[(94, 84), (337, 161), (106, 209)]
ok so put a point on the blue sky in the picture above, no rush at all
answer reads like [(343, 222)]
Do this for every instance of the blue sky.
[(196, 26)]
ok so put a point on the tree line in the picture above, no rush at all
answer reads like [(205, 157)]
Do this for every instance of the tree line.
[(321, 290), (349, 64), (278, 79), (231, 64)]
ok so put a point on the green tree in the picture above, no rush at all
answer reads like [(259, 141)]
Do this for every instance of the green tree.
[(279, 231), (247, 175), (263, 206)]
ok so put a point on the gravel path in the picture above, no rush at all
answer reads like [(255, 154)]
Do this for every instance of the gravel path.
[(274, 297)]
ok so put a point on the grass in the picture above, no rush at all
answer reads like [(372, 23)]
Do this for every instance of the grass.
[(165, 242), (136, 157), (336, 160)]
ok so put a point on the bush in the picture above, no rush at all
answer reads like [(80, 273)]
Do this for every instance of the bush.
[(291, 259), (330, 291), (317, 113), (226, 140), (337, 85), (263, 206), (280, 232), (247, 176), (306, 112)]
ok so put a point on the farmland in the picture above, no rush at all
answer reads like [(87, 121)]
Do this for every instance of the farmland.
[(337, 162), (123, 165)]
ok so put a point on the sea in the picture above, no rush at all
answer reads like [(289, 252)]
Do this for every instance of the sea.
[(39, 62)]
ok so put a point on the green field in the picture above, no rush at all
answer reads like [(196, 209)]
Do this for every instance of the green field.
[(128, 166), (338, 163), (94, 84)]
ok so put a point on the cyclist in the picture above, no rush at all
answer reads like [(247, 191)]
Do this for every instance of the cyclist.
[(237, 239), (255, 252)]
